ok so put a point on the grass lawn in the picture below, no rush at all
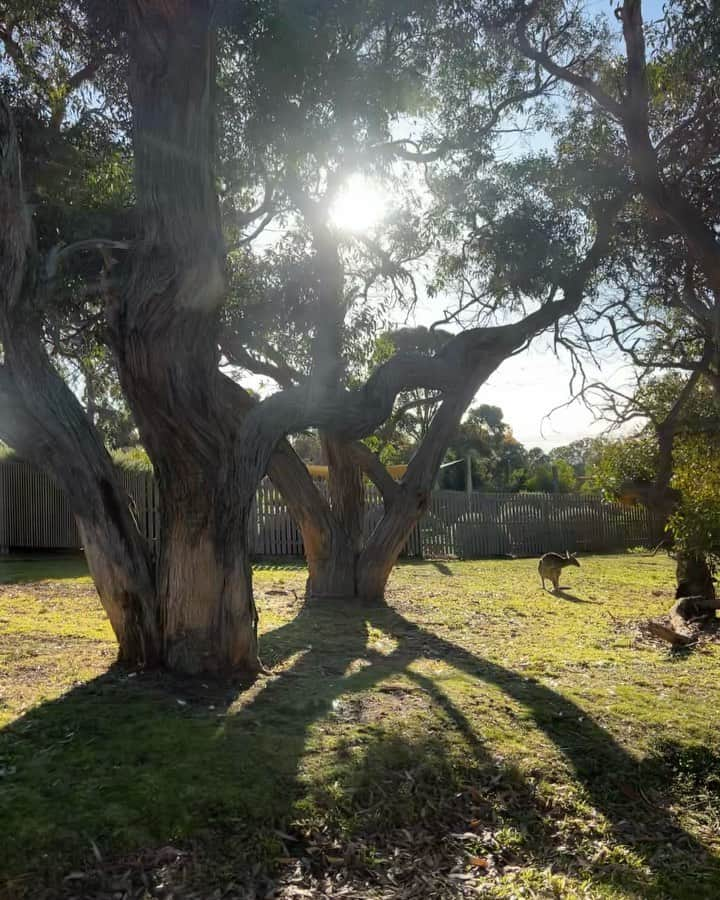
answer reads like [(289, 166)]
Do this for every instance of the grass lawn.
[(475, 737)]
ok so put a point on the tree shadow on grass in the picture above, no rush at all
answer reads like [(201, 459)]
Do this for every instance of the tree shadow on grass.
[(25, 568), (122, 763)]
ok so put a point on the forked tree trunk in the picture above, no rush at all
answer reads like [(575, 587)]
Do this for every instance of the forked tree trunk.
[(373, 563), (386, 544), (48, 427), (351, 573), (329, 551), (43, 420), (164, 328)]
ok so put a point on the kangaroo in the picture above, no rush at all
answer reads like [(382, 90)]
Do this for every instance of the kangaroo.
[(552, 564)]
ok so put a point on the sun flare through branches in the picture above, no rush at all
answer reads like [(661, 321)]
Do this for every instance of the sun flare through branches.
[(359, 206)]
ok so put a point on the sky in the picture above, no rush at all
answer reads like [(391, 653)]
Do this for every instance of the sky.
[(529, 386)]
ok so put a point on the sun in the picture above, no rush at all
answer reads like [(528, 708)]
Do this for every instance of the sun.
[(359, 206)]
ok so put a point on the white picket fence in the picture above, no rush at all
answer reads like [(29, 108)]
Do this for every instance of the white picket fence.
[(34, 514)]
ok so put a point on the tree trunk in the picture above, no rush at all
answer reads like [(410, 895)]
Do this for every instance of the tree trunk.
[(48, 427), (332, 564), (42, 419), (387, 541), (333, 554), (120, 568), (164, 330), (209, 622), (346, 489), (409, 504), (695, 587)]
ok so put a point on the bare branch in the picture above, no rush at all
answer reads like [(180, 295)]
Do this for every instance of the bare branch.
[(255, 233)]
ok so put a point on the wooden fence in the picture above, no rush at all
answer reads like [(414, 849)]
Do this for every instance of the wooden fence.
[(34, 514)]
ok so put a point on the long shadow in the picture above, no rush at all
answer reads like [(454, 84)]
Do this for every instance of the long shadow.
[(120, 763), (601, 764), (25, 568), (564, 594)]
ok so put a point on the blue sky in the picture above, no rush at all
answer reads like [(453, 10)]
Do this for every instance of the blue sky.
[(652, 9)]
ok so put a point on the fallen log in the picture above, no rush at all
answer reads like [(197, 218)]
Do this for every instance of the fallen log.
[(695, 610), (667, 634)]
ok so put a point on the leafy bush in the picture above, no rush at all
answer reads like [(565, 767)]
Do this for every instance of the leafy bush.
[(132, 459), (632, 459), (696, 521)]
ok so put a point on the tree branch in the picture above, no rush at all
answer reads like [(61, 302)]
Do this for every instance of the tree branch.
[(79, 77), (398, 148), (287, 471), (563, 73), (370, 463), (59, 253), (238, 355), (476, 352)]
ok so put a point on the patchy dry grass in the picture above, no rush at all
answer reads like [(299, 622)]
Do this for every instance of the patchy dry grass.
[(476, 737)]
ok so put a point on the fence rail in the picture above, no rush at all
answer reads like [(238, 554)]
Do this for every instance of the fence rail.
[(34, 514)]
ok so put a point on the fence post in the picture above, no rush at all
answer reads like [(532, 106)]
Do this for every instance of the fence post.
[(4, 512)]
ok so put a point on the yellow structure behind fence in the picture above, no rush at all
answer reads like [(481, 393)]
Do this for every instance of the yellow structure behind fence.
[(395, 472)]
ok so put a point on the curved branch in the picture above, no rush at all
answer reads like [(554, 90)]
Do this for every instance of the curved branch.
[(287, 471), (238, 355), (59, 253), (471, 354), (370, 463)]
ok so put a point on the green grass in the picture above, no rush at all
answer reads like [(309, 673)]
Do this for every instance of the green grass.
[(474, 736)]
